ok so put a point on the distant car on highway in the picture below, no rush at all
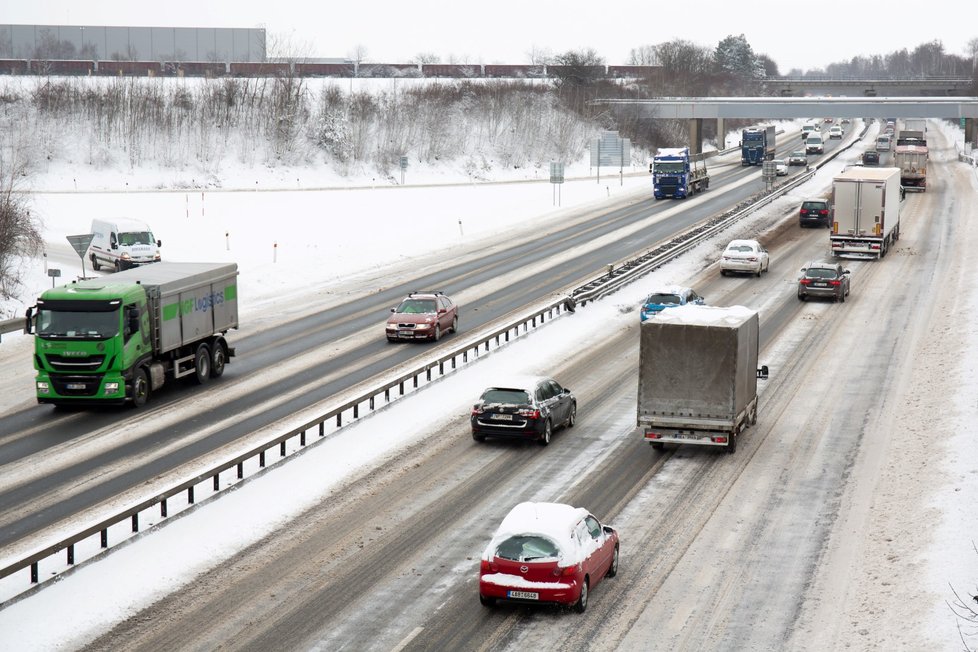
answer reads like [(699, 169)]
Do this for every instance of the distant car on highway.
[(668, 297), (814, 145), (523, 408), (815, 212), (781, 167), (798, 157), (422, 316), (836, 132), (871, 157), (744, 256), (808, 130), (824, 280), (547, 553)]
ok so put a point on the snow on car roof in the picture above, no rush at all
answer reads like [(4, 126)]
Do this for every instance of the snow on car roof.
[(556, 521), (737, 243), (694, 315)]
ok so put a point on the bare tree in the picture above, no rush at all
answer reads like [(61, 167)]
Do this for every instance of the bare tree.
[(540, 56), (20, 236), (425, 57), (644, 55)]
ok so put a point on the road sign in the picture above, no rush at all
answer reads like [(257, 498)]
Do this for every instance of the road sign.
[(556, 172), (80, 243)]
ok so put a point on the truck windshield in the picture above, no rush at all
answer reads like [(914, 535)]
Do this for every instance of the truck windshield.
[(669, 167), (136, 238), (753, 137), (73, 324)]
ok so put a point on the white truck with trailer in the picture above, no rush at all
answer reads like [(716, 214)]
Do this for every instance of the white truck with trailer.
[(697, 376), (866, 212)]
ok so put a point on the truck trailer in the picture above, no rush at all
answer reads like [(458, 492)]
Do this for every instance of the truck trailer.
[(866, 212), (757, 145), (910, 155), (697, 376), (677, 173), (116, 339)]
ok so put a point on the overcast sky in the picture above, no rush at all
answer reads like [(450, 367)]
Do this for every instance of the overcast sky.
[(794, 34)]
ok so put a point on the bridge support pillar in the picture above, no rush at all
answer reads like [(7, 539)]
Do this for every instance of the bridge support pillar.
[(696, 136), (721, 134), (969, 130)]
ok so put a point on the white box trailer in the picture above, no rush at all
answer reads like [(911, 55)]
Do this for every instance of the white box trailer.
[(866, 212), (697, 376)]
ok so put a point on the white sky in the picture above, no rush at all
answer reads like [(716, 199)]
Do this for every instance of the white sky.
[(505, 31)]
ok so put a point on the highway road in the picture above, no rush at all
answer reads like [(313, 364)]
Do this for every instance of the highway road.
[(774, 547), (61, 466)]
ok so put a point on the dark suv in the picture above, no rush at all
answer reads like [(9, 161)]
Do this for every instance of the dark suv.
[(527, 408), (824, 280), (422, 316), (871, 157), (815, 212)]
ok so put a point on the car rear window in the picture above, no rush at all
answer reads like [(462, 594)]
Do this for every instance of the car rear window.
[(743, 248), (662, 298), (417, 306), (813, 205), (506, 396), (817, 272), (527, 547)]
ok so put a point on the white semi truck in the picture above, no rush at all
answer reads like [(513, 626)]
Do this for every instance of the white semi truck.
[(866, 212)]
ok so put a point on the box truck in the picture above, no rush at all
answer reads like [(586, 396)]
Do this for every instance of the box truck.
[(697, 376), (866, 212)]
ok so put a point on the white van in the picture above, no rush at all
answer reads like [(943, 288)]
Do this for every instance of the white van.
[(122, 243), (814, 145), (883, 143)]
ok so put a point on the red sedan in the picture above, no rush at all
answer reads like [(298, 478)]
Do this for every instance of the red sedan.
[(547, 553)]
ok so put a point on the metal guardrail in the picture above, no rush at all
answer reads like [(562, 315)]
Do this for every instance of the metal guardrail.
[(254, 460)]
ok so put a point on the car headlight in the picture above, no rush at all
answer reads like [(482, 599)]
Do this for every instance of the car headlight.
[(125, 256), (157, 257), (422, 327), (42, 387), (111, 388)]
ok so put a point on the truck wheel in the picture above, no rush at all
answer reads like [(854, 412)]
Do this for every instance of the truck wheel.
[(95, 264), (202, 364), (118, 265), (218, 360), (657, 445), (140, 388)]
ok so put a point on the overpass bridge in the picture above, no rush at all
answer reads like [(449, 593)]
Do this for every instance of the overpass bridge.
[(927, 86), (696, 109)]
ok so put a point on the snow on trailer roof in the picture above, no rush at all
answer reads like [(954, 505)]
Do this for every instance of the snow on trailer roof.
[(695, 315), (672, 151), (857, 173), (553, 520)]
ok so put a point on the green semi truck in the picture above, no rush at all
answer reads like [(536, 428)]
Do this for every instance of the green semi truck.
[(116, 339)]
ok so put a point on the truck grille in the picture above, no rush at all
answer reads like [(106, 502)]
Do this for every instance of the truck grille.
[(61, 363), (75, 385)]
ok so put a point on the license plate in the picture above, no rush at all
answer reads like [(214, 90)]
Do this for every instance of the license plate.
[(820, 285), (75, 386), (503, 417), (680, 435), (405, 333), (523, 595)]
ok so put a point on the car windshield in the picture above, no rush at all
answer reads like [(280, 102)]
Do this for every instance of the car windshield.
[(820, 272), (77, 324), (527, 547), (662, 298), (417, 306), (506, 396), (741, 248), (136, 238), (814, 139), (798, 154)]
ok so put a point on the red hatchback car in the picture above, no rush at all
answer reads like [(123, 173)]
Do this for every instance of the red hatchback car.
[(422, 316), (547, 553)]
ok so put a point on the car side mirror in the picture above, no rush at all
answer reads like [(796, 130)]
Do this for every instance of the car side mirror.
[(804, 269), (115, 245), (394, 309), (29, 321), (845, 271), (762, 372), (566, 391), (159, 243)]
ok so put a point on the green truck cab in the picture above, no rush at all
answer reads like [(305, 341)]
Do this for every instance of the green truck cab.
[(118, 338)]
